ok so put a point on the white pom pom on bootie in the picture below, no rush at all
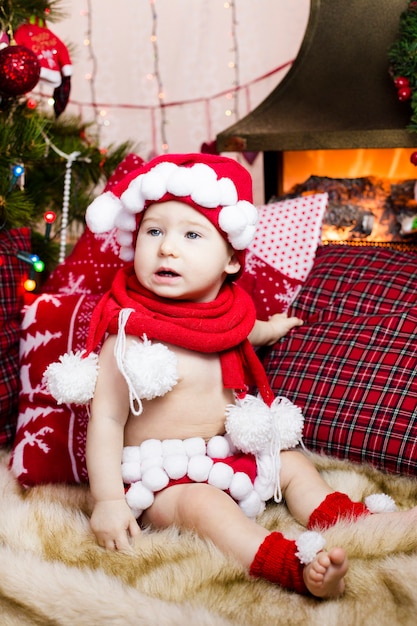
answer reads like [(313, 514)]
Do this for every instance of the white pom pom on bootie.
[(380, 503), (73, 378), (309, 544)]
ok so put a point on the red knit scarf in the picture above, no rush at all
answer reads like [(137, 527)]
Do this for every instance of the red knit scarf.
[(221, 326)]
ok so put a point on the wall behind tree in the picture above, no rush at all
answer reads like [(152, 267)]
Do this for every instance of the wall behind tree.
[(170, 74)]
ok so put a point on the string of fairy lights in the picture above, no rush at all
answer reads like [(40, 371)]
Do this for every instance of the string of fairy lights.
[(91, 76), (158, 111), (157, 76), (234, 62)]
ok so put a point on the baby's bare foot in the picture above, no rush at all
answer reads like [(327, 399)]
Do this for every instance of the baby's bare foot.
[(324, 577)]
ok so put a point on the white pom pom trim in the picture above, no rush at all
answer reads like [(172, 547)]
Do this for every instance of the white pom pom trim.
[(220, 476), (309, 544), (149, 467), (380, 503), (252, 425), (73, 378), (218, 447), (249, 424), (101, 215), (151, 368)]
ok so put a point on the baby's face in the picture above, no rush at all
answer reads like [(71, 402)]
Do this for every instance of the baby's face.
[(180, 254)]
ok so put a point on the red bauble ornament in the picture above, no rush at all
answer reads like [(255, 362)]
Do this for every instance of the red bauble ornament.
[(19, 70), (413, 158), (404, 93), (401, 81)]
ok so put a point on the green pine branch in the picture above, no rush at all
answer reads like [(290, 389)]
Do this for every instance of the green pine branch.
[(402, 57), (16, 12)]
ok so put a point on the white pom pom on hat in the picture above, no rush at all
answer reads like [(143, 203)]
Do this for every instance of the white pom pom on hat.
[(103, 212), (218, 187)]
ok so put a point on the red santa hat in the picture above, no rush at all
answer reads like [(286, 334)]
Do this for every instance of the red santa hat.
[(216, 186)]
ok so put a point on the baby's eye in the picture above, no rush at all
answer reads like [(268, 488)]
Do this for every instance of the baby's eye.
[(192, 235), (154, 232)]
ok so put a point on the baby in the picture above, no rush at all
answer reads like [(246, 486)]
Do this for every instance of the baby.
[(174, 436)]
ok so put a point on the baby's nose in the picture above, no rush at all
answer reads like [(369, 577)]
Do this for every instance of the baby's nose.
[(168, 246)]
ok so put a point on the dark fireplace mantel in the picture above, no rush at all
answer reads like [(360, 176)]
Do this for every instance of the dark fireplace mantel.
[(338, 93)]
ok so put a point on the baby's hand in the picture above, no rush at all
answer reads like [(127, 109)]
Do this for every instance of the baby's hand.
[(266, 333), (280, 324), (114, 524)]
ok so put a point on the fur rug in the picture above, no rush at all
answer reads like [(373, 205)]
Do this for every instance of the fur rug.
[(52, 573)]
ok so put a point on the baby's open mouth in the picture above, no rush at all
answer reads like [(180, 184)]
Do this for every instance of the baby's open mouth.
[(167, 273)]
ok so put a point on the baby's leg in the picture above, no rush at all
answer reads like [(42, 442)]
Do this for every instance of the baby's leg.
[(315, 505), (214, 515), (311, 501), (210, 512)]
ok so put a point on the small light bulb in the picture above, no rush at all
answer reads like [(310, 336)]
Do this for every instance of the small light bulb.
[(49, 217), (39, 266), (18, 170), (30, 284)]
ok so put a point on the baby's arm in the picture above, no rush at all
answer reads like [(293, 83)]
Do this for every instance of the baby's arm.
[(266, 333), (112, 520)]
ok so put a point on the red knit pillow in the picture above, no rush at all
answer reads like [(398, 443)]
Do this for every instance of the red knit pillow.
[(351, 367), (283, 252), (50, 438), (12, 274)]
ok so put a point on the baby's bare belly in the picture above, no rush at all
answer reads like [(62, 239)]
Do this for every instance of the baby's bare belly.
[(194, 408)]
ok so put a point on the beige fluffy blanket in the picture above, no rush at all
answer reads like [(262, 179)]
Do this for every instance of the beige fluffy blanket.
[(53, 573)]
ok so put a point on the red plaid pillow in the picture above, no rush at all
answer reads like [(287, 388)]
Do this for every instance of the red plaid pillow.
[(351, 366), (12, 274), (283, 251), (94, 260), (50, 438)]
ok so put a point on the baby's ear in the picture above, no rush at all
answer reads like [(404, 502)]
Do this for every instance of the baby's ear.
[(234, 264)]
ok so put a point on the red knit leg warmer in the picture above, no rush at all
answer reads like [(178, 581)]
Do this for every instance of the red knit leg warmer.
[(335, 507), (276, 561)]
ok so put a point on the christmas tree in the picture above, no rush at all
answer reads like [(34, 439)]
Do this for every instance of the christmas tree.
[(50, 163)]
